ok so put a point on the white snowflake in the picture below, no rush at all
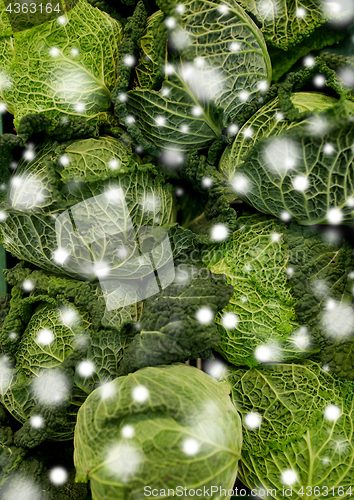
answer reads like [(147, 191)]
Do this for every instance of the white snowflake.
[(51, 388), (45, 336), (60, 255), (191, 446), (334, 216), (205, 315), (252, 420), (289, 477), (58, 476), (54, 51), (301, 183), (319, 81), (128, 431), (229, 321), (86, 368), (332, 412), (240, 184), (219, 232), (129, 60), (123, 461), (140, 393)]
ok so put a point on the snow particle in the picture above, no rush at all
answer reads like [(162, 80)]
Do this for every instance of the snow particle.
[(140, 393), (114, 164), (184, 129), (54, 52), (2, 107), (13, 335), (243, 96), (229, 320), (328, 149), (191, 446), (214, 368), (3, 215), (45, 337), (207, 182), (247, 132), (197, 111), (123, 97), (240, 184), (263, 85), (334, 216), (169, 69), (279, 116), (36, 421), (160, 121), (179, 192), (129, 61), (300, 12), (319, 81), (128, 431), (51, 388), (130, 120), (309, 61), (252, 420), (101, 269), (123, 461), (275, 237), (60, 255), (28, 285), (205, 315), (69, 316), (301, 183), (285, 216), (263, 354), (75, 52), (172, 157), (58, 476), (180, 8), (233, 129), (80, 107), (62, 20), (234, 46), (165, 91), (289, 477), (122, 253), (223, 9), (64, 161), (219, 232), (29, 154), (170, 22), (332, 413), (86, 368)]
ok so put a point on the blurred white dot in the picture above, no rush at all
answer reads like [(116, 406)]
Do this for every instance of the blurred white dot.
[(244, 95), (123, 97), (75, 52), (350, 202), (207, 182), (101, 269), (60, 255), (51, 387), (140, 393), (334, 216), (139, 149), (129, 60), (80, 107), (54, 52), (235, 46), (301, 183), (328, 149), (233, 129), (86, 368), (184, 129), (240, 184), (244, 299), (247, 132), (326, 368), (179, 192), (319, 81), (331, 304), (160, 121), (300, 12), (45, 337), (28, 285), (289, 477), (68, 316), (180, 8), (170, 22), (197, 111), (13, 335), (64, 160), (122, 252), (191, 446), (219, 232), (199, 62), (263, 353), (229, 320), (214, 368), (332, 413), (165, 91), (309, 61), (351, 275), (58, 476), (2, 107), (172, 157), (128, 431), (275, 237), (205, 315), (285, 216), (279, 116), (252, 420), (223, 9), (114, 164), (62, 20), (29, 154), (263, 85), (36, 421), (3, 216), (130, 120), (107, 390), (169, 69)]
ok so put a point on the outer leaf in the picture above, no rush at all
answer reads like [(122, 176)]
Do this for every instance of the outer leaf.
[(294, 434), (65, 69), (269, 121), (254, 261), (183, 403), (148, 63), (203, 80), (285, 23), (275, 166)]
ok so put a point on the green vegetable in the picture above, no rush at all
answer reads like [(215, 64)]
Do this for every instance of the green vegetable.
[(203, 89), (64, 67), (297, 430), (159, 427), (292, 295), (299, 169)]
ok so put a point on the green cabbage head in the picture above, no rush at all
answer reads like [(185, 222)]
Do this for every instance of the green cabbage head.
[(161, 427), (298, 431)]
